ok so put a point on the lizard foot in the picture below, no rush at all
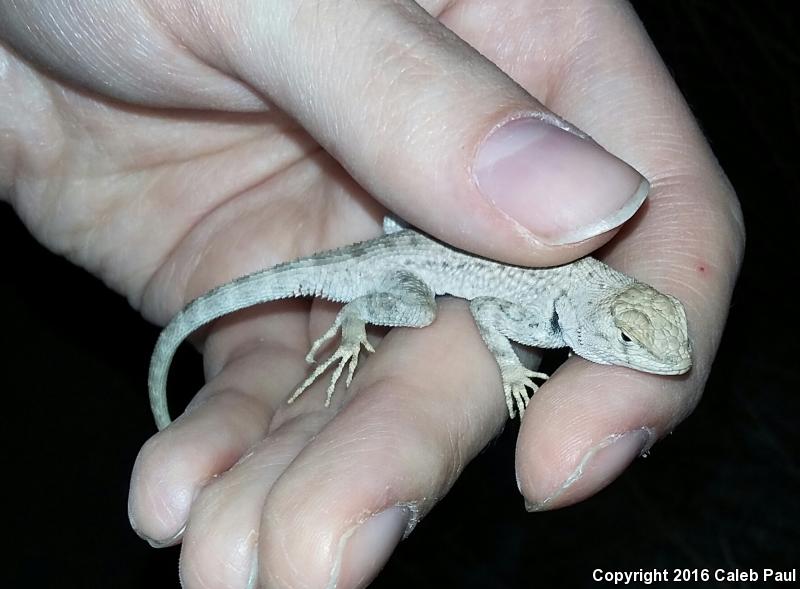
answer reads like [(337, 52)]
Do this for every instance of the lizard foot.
[(516, 381), (354, 336)]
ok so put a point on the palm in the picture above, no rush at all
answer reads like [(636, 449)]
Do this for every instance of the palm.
[(179, 202), (168, 204)]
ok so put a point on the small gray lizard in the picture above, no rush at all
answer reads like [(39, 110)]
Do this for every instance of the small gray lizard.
[(601, 314)]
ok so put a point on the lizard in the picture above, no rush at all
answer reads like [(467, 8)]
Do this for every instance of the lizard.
[(601, 314)]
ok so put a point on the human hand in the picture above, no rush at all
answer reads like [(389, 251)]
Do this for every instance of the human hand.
[(165, 203)]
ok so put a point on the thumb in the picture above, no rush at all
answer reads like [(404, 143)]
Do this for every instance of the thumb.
[(432, 129)]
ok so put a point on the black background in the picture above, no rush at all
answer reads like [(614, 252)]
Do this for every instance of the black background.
[(722, 491)]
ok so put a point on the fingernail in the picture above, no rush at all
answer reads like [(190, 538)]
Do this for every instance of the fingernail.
[(171, 541), (252, 578), (365, 548), (598, 467), (561, 188)]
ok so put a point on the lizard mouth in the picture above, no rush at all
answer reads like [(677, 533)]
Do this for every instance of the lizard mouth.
[(673, 368)]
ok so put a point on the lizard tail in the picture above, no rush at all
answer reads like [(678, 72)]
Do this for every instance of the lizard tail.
[(261, 287)]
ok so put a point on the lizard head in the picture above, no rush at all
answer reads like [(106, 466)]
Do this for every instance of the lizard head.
[(638, 327)]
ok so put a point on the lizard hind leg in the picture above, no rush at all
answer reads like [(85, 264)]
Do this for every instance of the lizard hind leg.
[(354, 335), (402, 300)]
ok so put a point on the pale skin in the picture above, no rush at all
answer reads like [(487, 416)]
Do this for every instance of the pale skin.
[(193, 174)]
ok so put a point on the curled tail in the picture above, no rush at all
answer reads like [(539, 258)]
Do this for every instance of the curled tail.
[(295, 279)]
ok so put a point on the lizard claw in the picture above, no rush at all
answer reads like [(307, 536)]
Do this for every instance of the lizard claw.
[(353, 337), (516, 381)]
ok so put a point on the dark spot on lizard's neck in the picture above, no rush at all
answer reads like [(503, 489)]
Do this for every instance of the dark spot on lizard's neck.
[(555, 326)]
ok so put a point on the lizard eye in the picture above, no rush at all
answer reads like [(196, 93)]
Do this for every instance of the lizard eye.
[(625, 337)]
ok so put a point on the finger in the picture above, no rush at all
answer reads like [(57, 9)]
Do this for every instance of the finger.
[(588, 423), (418, 413), (385, 87), (586, 426), (219, 547), (258, 357), (118, 49), (382, 85)]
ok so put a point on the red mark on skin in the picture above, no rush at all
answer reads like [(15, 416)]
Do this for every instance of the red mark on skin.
[(703, 268)]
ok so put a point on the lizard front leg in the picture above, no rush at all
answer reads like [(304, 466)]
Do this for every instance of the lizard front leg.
[(403, 300), (498, 322)]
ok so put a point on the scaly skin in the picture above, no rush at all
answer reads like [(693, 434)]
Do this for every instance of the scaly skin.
[(603, 315)]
